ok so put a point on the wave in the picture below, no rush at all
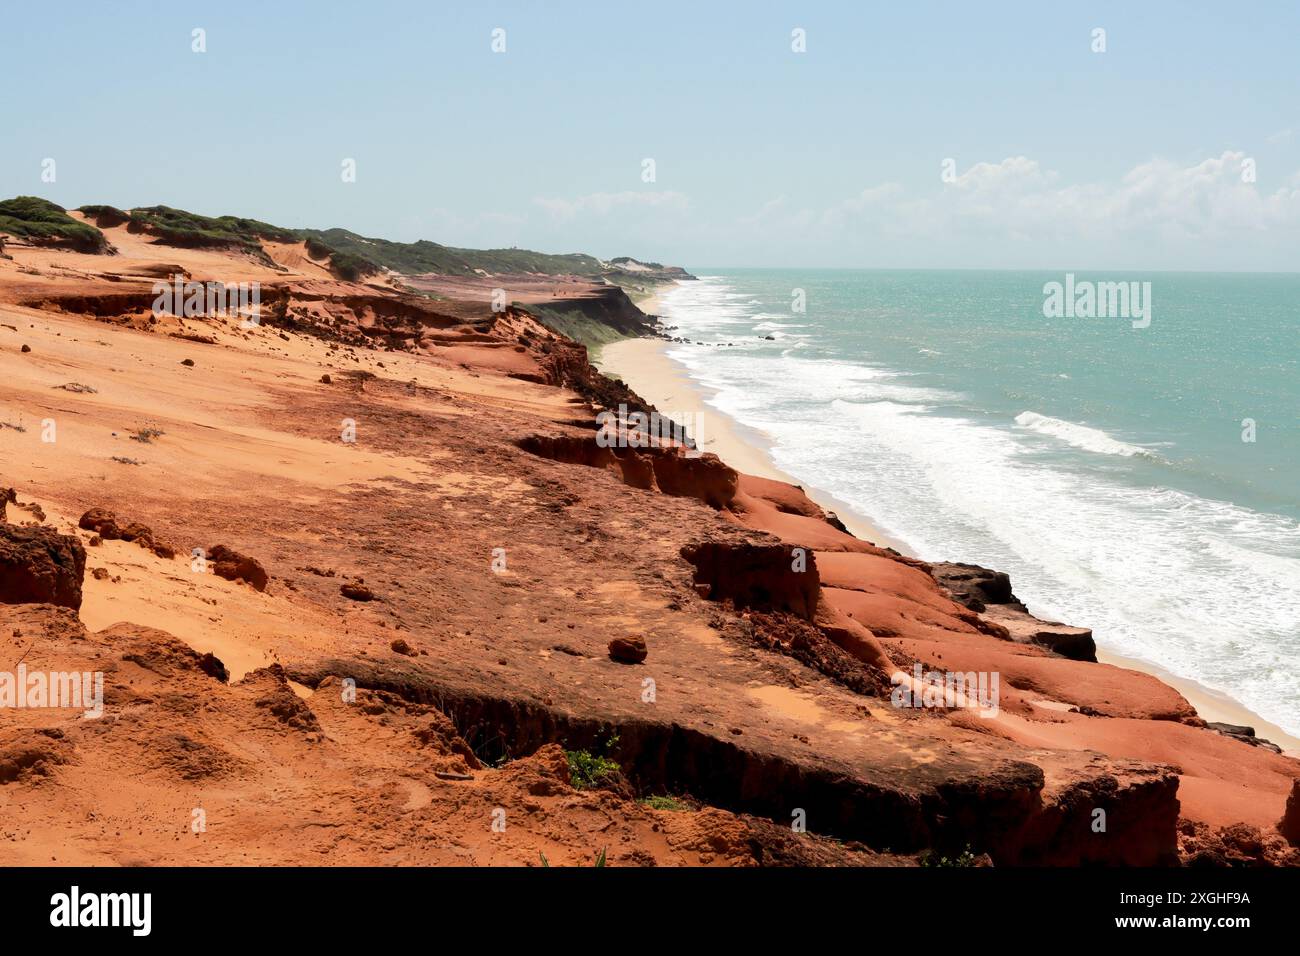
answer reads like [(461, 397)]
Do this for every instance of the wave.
[(1081, 436)]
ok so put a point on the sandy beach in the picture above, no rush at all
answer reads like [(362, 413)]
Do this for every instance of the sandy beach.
[(645, 366)]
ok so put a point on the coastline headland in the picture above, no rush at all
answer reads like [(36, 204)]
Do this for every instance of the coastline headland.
[(424, 589)]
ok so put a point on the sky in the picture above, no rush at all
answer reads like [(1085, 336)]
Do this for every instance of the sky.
[(904, 135)]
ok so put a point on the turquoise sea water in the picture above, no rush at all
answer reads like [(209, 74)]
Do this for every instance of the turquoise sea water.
[(1102, 465)]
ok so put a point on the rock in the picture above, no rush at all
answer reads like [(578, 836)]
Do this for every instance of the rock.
[(7, 496), (974, 586), (628, 650), (34, 509), (234, 566), (356, 592), (40, 566), (325, 379), (1289, 825), (834, 521), (26, 348), (279, 700), (401, 647), (99, 574), (211, 665), (1243, 733), (1231, 730), (106, 525), (188, 362), (988, 593)]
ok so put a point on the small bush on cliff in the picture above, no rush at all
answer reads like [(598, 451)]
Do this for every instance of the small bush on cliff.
[(663, 803), (317, 249), (350, 267), (105, 216), (587, 770), (41, 221), (965, 858)]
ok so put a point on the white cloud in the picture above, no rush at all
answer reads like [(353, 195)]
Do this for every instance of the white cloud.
[(1017, 198), (1017, 213)]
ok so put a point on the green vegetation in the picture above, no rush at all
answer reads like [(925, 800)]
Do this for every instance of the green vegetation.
[(182, 228), (317, 249), (663, 803), (425, 256), (351, 267), (351, 256), (965, 858), (588, 770), (41, 221), (105, 216), (575, 324)]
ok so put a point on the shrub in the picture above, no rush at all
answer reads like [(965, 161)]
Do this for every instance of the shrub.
[(105, 216), (41, 221), (588, 770), (663, 803)]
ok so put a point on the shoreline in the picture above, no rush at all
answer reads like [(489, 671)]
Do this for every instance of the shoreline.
[(644, 365), (646, 368)]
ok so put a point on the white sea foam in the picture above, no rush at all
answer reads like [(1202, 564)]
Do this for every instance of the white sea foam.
[(1080, 436)]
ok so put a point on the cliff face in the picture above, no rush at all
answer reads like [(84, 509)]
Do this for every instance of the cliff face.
[(447, 553)]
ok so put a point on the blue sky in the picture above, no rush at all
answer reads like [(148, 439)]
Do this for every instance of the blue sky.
[(1064, 158)]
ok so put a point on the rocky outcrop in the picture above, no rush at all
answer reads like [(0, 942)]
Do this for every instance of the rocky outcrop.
[(1014, 624), (1201, 846), (1289, 825), (1244, 734), (974, 586), (40, 566), (105, 524), (989, 594), (233, 566), (276, 697)]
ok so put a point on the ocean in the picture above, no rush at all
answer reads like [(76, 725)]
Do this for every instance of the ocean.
[(1141, 481)]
